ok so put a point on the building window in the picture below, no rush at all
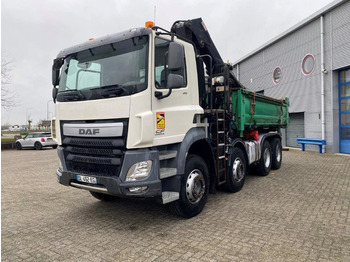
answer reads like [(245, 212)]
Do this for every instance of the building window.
[(277, 75), (345, 76), (308, 64)]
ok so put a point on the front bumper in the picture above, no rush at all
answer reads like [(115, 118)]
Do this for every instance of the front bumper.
[(116, 185)]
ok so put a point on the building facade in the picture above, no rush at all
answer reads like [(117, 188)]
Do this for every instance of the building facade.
[(310, 64)]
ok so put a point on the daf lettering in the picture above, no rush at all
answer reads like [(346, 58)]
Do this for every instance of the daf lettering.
[(89, 131)]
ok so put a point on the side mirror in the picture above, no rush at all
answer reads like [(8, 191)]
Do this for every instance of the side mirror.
[(175, 56), (54, 94), (175, 81), (57, 64), (55, 76)]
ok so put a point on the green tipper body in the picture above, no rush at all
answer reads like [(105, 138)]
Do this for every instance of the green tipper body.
[(259, 111)]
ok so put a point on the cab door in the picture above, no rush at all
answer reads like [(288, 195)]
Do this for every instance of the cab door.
[(173, 110)]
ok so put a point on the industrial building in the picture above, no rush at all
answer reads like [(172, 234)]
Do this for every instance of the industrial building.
[(310, 64)]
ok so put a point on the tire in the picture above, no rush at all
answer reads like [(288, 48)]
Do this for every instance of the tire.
[(18, 146), (276, 148), (103, 197), (194, 188), (38, 146), (237, 171), (54, 147), (263, 167)]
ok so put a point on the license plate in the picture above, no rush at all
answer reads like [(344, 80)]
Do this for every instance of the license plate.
[(49, 139), (86, 179)]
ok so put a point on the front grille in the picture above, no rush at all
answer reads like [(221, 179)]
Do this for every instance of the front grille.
[(94, 160), (94, 156), (99, 156), (94, 142), (93, 151)]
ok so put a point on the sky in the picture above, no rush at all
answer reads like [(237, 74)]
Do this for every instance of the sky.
[(34, 31)]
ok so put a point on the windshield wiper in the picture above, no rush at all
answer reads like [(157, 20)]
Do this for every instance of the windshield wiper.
[(72, 95), (112, 90)]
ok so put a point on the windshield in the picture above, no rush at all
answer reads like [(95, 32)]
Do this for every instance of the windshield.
[(111, 70)]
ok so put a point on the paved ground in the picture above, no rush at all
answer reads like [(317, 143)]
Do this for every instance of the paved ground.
[(298, 213)]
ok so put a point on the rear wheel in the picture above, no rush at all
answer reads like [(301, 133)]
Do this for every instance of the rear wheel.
[(237, 171), (54, 147), (18, 146), (38, 146), (276, 148), (103, 197), (264, 165), (194, 188)]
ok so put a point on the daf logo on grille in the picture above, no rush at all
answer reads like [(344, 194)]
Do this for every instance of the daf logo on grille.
[(88, 131), (93, 129)]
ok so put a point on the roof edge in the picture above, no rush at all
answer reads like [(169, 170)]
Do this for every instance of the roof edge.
[(294, 28), (104, 40)]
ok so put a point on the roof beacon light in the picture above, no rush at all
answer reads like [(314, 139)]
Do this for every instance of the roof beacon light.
[(91, 39), (149, 24)]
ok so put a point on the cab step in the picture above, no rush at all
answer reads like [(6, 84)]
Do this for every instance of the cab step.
[(164, 155), (169, 196), (167, 172)]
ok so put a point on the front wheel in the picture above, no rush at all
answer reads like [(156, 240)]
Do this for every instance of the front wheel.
[(18, 146), (263, 167), (194, 188), (237, 171), (103, 197)]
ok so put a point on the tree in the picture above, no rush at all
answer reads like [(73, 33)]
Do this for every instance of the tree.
[(8, 97)]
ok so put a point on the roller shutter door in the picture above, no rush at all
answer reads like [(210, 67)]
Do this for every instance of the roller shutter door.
[(295, 129)]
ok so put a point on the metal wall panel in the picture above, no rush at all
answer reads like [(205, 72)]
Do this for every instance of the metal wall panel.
[(341, 35), (256, 72), (331, 100), (305, 91), (295, 129)]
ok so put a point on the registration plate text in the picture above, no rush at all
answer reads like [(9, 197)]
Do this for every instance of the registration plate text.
[(86, 179)]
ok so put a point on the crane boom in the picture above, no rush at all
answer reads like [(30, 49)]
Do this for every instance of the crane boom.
[(195, 31)]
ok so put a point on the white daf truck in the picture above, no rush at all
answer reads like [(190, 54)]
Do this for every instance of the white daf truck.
[(154, 113)]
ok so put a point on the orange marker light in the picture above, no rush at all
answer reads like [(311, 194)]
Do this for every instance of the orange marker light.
[(149, 24), (91, 39)]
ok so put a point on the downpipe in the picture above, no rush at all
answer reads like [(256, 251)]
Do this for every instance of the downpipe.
[(323, 72)]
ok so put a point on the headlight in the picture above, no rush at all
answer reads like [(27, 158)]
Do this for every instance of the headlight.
[(139, 171)]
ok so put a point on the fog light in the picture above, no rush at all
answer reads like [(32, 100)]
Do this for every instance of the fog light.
[(59, 172), (138, 189), (139, 171)]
